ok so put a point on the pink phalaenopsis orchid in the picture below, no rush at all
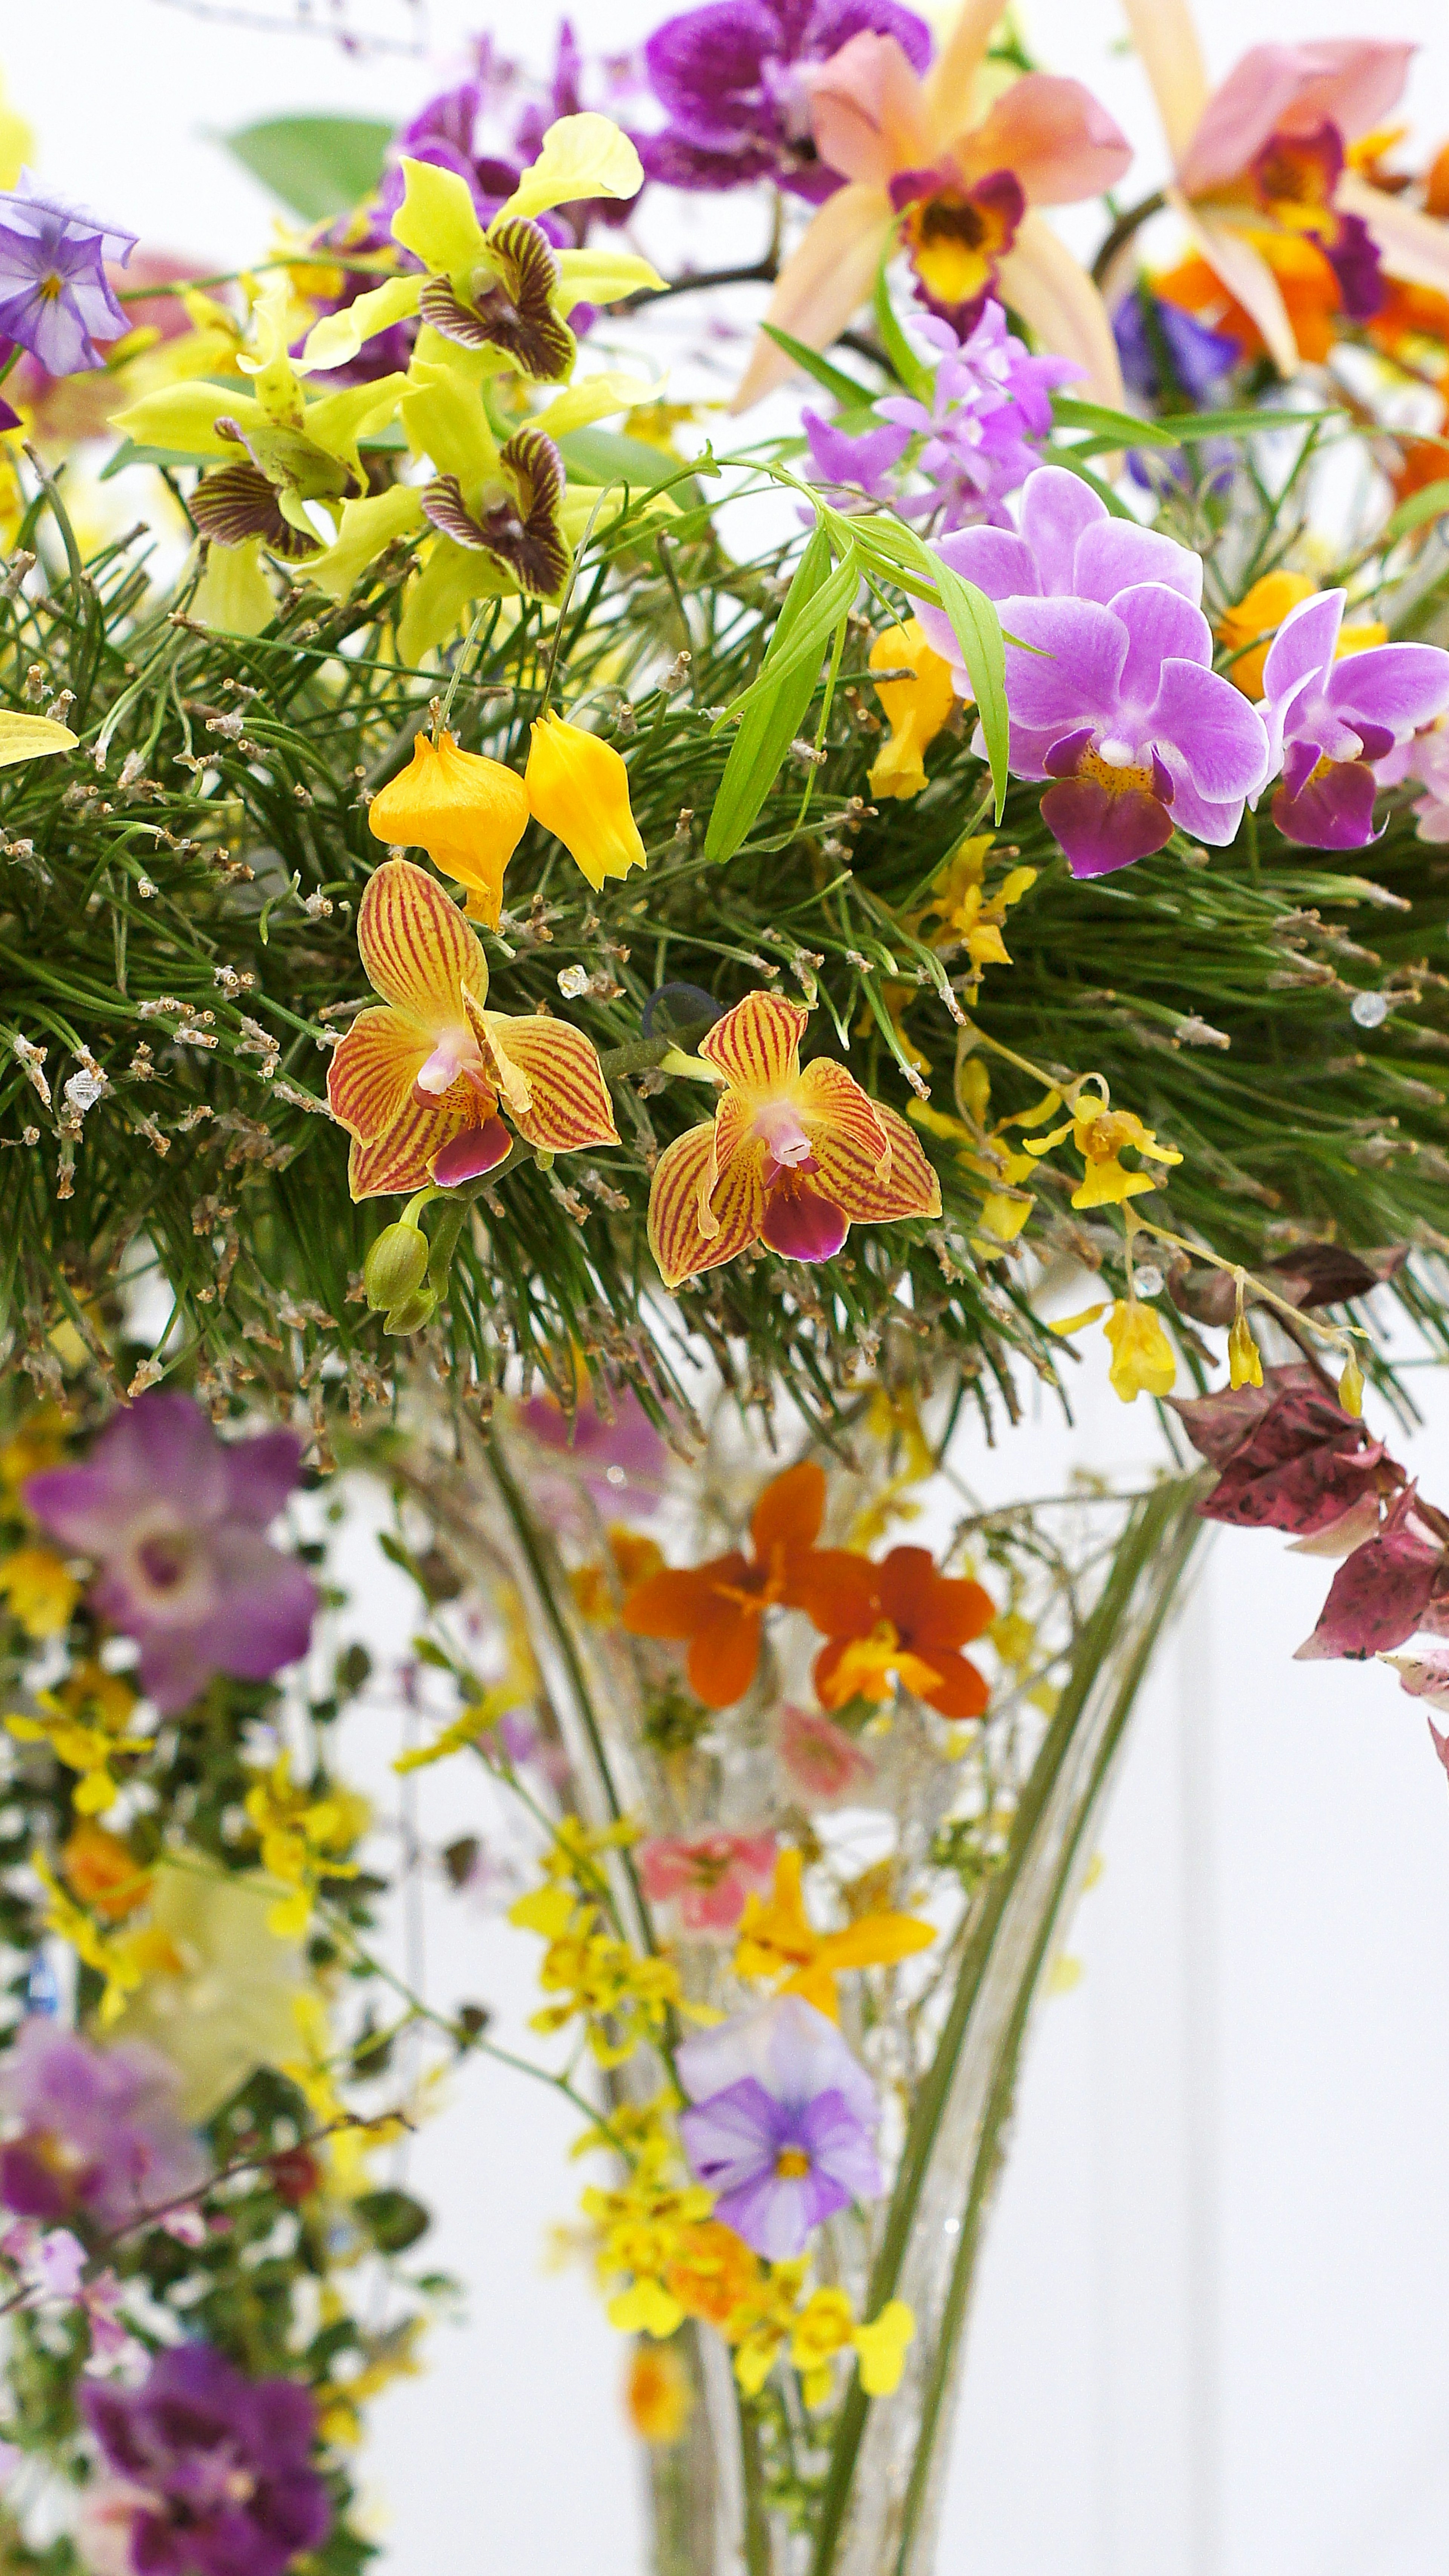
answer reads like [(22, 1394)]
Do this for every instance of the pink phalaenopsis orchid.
[(963, 180), (823, 1765), (707, 1876), (1331, 718), (1265, 150)]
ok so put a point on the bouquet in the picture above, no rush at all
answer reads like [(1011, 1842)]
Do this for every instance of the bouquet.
[(613, 903)]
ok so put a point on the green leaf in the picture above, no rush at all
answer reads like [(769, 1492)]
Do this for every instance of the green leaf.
[(393, 2219), (317, 165), (608, 456), (1179, 429), (915, 377), (846, 389), (774, 707), (977, 630), (1420, 507), (1122, 427)]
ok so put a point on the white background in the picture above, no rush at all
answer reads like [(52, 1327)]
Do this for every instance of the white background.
[(1212, 2337)]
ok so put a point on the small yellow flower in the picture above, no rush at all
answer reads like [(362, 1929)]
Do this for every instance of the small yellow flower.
[(1350, 1387), (40, 1589), (916, 708), (39, 1443), (101, 1871), (1245, 1366), (646, 2228), (658, 2397), (777, 1939), (468, 813), (1099, 1134), (764, 2322), (1143, 1359), (882, 2347), (824, 2327), (85, 1724), (466, 1729), (303, 1839), (578, 789)]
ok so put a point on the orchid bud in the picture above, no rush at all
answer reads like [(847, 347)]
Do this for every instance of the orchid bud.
[(1350, 1387), (411, 1313), (396, 1266), (1245, 1366), (578, 789)]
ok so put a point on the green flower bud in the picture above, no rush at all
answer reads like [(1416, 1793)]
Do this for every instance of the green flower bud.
[(411, 1313), (395, 1267)]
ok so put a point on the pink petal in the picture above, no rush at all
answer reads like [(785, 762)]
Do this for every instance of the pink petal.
[(1052, 136), (823, 283), (867, 111), (1248, 278), (1426, 1676), (1040, 280), (1351, 81), (1411, 245)]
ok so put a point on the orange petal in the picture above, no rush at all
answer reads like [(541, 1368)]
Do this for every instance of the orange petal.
[(679, 1599), (825, 280), (790, 1510), (959, 1690), (848, 1173), (724, 1655), (557, 1096), (1040, 280), (677, 1240), (402, 1157), (371, 1076), (416, 949), (838, 1592), (756, 1045), (828, 1093)]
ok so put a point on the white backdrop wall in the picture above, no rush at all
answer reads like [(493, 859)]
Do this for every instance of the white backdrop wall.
[(1211, 2332)]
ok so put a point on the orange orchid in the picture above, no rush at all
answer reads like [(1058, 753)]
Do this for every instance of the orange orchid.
[(720, 1606), (966, 176), (777, 1939), (1263, 179), (419, 1083), (792, 1159), (897, 1622)]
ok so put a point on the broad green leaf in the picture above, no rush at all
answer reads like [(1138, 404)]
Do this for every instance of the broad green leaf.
[(1420, 507), (913, 375), (317, 165), (774, 715), (1181, 429), (31, 738), (833, 380), (609, 456), (977, 630), (1122, 427)]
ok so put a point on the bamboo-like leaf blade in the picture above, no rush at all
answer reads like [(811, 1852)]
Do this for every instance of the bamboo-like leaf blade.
[(1430, 503), (833, 380), (774, 707)]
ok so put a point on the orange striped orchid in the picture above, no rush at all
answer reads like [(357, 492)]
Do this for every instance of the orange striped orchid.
[(419, 1084), (791, 1158), (1262, 180), (963, 178)]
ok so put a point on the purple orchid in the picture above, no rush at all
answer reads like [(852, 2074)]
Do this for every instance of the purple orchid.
[(1330, 720), (619, 1458), (1424, 759), (732, 79), (93, 2129), (859, 467), (990, 398), (55, 299), (783, 2122), (212, 2471), (175, 1518), (1116, 701)]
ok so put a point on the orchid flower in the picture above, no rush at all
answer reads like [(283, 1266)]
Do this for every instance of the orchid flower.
[(965, 180), (1261, 163), (1331, 717), (418, 1084), (792, 1159)]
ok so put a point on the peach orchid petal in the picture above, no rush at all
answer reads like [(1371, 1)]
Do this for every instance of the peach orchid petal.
[(951, 80), (402, 1157), (756, 1045), (824, 282), (676, 1239), (1052, 136), (565, 1101), (416, 949), (1248, 278), (1165, 37), (1040, 280), (371, 1076), (1412, 246), (1352, 80), (851, 1176), (867, 111)]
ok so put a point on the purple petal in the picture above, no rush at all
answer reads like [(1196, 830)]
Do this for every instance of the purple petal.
[(841, 2148), (995, 559), (1075, 672), (1057, 508), (261, 1472), (734, 2136), (775, 2213), (1204, 818), (800, 1221), (1401, 686), (1162, 626), (1112, 556), (1102, 829), (1220, 738), (832, 24), (1332, 812), (705, 67), (475, 1151), (263, 1615), (1304, 645)]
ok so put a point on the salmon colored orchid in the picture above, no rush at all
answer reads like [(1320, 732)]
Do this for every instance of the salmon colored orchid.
[(1263, 174), (720, 1606), (963, 178), (899, 1622), (777, 1939), (418, 1084), (792, 1159)]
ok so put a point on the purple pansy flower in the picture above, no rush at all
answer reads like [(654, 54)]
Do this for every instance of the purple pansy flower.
[(1330, 721), (175, 1518), (1117, 702), (55, 299), (783, 2122), (95, 2129), (213, 2473), (731, 78)]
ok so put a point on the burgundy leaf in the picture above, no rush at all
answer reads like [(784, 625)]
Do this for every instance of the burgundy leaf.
[(1381, 1594), (1291, 1458)]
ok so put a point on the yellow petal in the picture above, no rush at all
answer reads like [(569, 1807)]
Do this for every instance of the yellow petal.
[(951, 79), (32, 738), (443, 416), (185, 417), (437, 220), (1143, 1359), (234, 596), (582, 156), (592, 398), (578, 789), (336, 340), (367, 526), (1166, 44), (1245, 1364), (441, 596), (755, 1047), (877, 1941), (602, 277), (1248, 278), (1074, 1323), (565, 1103)]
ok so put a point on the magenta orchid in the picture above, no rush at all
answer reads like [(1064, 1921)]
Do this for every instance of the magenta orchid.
[(1331, 719), (732, 78), (91, 2129), (210, 2472), (783, 2123), (1423, 761), (1115, 699)]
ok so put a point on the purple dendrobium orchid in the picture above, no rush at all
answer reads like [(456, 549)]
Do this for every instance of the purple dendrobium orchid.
[(782, 2124), (55, 299), (93, 2129), (1116, 702), (1330, 720), (991, 396), (216, 2468), (854, 465), (175, 1518), (732, 80)]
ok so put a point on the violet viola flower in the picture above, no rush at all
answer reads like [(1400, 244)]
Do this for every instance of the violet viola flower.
[(175, 1518), (1116, 702), (782, 2127), (93, 2129), (212, 2471), (733, 79), (55, 299), (1330, 720)]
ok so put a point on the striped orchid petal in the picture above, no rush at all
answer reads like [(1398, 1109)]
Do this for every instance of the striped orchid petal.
[(372, 1074), (676, 1237), (756, 1045), (847, 1173), (550, 1083), (402, 1157), (831, 1096), (417, 951)]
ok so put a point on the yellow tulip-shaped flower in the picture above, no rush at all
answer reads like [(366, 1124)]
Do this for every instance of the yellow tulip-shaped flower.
[(792, 1159), (578, 789), (778, 1939), (419, 1083), (468, 813), (1143, 1359), (916, 709)]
